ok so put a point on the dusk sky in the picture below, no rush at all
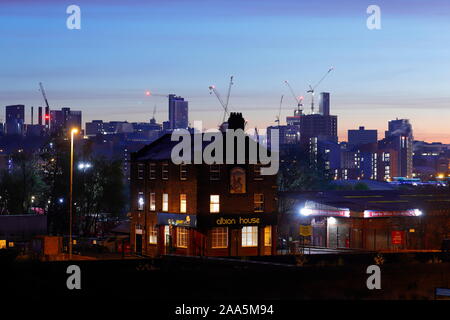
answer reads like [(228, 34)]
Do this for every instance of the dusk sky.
[(126, 47)]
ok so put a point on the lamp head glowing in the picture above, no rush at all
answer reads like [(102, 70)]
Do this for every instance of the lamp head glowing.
[(74, 131), (305, 211)]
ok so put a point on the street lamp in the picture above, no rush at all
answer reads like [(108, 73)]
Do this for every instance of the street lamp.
[(72, 133)]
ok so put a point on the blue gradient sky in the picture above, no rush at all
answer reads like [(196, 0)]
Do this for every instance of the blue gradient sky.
[(182, 47)]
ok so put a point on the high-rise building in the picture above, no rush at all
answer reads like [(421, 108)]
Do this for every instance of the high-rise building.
[(361, 136), (64, 119), (399, 137), (15, 119), (178, 112), (324, 103), (318, 126)]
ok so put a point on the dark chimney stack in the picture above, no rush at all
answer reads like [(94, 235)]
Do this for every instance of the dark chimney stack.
[(236, 121)]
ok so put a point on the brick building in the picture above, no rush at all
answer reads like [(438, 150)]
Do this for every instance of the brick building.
[(200, 209)]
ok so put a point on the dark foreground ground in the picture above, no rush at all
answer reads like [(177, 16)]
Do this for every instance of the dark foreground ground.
[(403, 276)]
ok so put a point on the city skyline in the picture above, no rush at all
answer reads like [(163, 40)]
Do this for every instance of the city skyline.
[(126, 48)]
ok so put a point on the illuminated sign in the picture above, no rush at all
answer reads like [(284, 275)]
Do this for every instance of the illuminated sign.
[(402, 213), (325, 212), (178, 220), (238, 220), (397, 237)]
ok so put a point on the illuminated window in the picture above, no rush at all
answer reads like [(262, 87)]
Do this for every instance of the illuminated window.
[(152, 201), (214, 172), (268, 236), (165, 171), (214, 203), (152, 171), (141, 201), (219, 238), (165, 202), (153, 235), (259, 202), (2, 244), (166, 235), (182, 237), (140, 171), (183, 172), (183, 203), (250, 236)]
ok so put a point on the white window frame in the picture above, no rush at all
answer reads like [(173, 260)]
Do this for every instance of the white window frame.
[(214, 203), (219, 238), (257, 172), (183, 203), (152, 171), (140, 201), (165, 202), (140, 171), (152, 201), (165, 171), (258, 202), (268, 236), (182, 237), (249, 236), (153, 235), (214, 172), (183, 171)]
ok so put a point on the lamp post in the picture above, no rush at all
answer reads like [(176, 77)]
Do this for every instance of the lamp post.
[(72, 133)]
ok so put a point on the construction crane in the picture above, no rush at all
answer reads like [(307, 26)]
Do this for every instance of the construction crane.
[(298, 99), (224, 104), (312, 89), (279, 111), (47, 107), (43, 94), (148, 93), (154, 113)]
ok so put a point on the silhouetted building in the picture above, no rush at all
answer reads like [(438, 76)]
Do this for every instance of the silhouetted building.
[(399, 137), (178, 112), (324, 103), (15, 119), (61, 121), (360, 137)]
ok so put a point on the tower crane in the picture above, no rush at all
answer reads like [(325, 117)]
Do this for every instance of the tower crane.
[(298, 99), (279, 111), (47, 107), (154, 112), (312, 89), (224, 104)]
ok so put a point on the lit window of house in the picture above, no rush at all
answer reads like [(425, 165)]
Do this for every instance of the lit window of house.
[(166, 235), (250, 236), (214, 172), (219, 238), (165, 202), (165, 171), (183, 172), (268, 236), (152, 201), (259, 202), (140, 171), (182, 237), (152, 171), (141, 201), (153, 235), (214, 203), (183, 204)]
